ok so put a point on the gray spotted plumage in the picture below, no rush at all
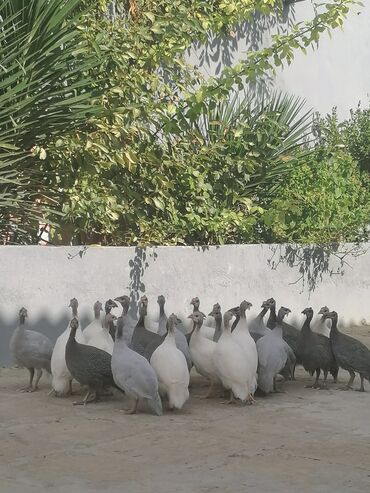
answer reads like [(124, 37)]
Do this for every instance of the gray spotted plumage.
[(350, 354), (89, 365), (315, 350), (31, 350), (133, 373)]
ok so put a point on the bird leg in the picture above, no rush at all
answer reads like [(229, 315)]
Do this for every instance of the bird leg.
[(292, 371), (350, 382), (316, 384), (29, 388), (231, 399), (209, 393), (276, 390), (361, 389), (38, 376), (86, 399), (133, 409), (251, 400), (70, 391)]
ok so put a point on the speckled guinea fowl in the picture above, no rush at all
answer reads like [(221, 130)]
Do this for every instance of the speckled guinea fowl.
[(315, 351), (90, 366), (162, 320), (31, 350), (349, 353)]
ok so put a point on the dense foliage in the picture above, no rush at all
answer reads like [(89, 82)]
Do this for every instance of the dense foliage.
[(149, 151)]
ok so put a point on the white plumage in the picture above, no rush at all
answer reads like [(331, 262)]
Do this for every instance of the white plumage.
[(102, 339), (171, 368), (95, 326), (61, 377), (201, 350), (230, 362), (323, 324), (243, 338)]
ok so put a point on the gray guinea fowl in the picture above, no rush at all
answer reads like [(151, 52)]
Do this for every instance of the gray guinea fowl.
[(89, 365), (129, 323), (349, 353), (142, 338), (272, 354), (257, 327), (133, 374), (31, 350), (315, 351)]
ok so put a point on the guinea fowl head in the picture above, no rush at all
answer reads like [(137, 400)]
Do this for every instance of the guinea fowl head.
[(195, 302), (332, 316), (324, 310), (171, 322), (124, 300), (23, 314), (161, 300), (98, 307), (272, 303), (109, 304), (73, 303), (227, 318), (197, 319), (283, 312), (308, 312), (74, 325), (265, 304), (216, 310)]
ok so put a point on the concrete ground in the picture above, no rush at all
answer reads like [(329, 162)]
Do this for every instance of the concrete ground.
[(304, 440)]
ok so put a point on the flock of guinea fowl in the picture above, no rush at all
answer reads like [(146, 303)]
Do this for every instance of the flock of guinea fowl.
[(150, 361)]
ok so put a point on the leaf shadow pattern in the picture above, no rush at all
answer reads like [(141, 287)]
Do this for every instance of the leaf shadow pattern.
[(221, 51), (136, 286), (315, 261)]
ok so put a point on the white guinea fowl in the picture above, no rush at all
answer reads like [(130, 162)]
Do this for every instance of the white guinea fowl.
[(102, 339), (242, 337), (206, 330), (95, 326), (61, 377), (171, 368), (322, 325), (230, 362), (201, 350), (272, 354)]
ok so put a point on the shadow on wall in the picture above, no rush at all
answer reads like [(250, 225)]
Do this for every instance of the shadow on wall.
[(138, 265), (42, 324), (314, 262), (221, 51)]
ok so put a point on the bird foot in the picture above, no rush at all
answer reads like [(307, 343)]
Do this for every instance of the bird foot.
[(251, 400), (361, 389), (130, 411), (346, 387), (29, 389)]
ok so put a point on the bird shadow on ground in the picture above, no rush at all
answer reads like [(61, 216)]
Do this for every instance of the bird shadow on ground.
[(138, 264), (315, 261)]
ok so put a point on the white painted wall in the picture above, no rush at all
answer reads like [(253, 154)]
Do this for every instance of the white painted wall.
[(43, 279), (337, 73)]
